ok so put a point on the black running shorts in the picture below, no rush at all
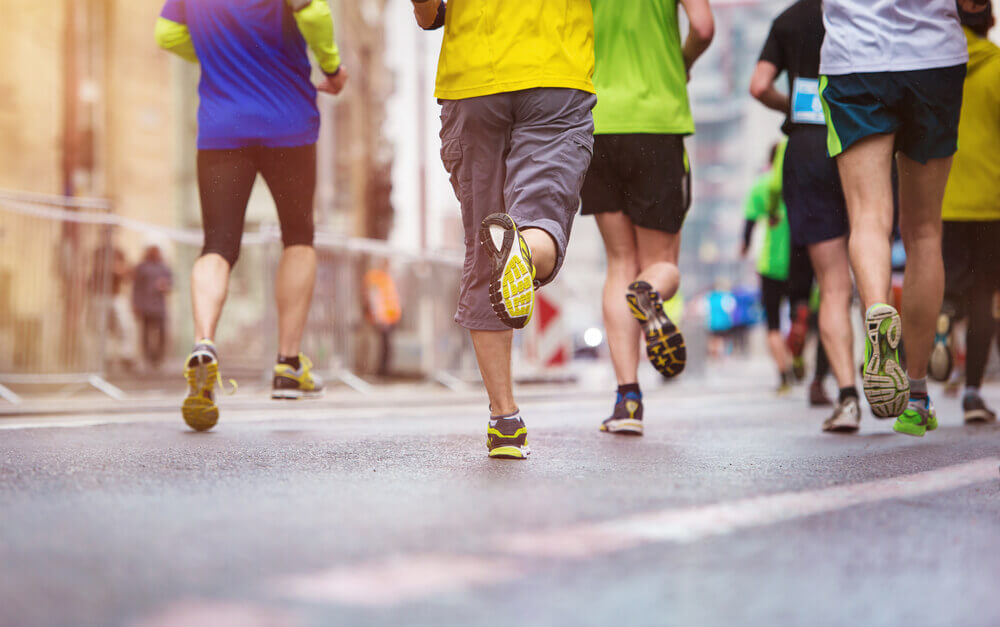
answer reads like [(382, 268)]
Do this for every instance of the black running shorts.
[(771, 294), (647, 176), (226, 178)]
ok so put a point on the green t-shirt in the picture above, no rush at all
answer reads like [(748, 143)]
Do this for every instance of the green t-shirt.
[(776, 251), (640, 77)]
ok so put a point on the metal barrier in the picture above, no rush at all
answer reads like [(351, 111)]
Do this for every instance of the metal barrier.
[(60, 315), (65, 313)]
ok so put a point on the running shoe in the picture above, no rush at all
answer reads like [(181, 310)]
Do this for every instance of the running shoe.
[(917, 419), (626, 418), (512, 274), (796, 340), (846, 417), (507, 438), (291, 384), (886, 385), (817, 395), (799, 368), (940, 364), (664, 342), (976, 410), (202, 373)]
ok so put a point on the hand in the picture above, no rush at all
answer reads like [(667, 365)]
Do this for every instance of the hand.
[(334, 84)]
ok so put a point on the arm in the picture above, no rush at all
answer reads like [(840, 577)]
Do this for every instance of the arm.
[(315, 22), (176, 38), (747, 236), (700, 32), (762, 87), (429, 13)]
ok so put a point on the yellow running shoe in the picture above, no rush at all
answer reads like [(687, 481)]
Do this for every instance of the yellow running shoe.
[(292, 384), (507, 438), (202, 373), (512, 274), (665, 345)]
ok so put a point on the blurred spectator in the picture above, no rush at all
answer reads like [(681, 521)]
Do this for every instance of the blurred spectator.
[(109, 273), (152, 281), (383, 311)]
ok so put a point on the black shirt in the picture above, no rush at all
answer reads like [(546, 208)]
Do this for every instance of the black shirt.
[(793, 46)]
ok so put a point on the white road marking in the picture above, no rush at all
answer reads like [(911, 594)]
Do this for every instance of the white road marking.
[(408, 578)]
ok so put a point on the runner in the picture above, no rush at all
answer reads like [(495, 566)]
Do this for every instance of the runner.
[(891, 84), (257, 113), (971, 212), (514, 80), (817, 213), (764, 203), (638, 186)]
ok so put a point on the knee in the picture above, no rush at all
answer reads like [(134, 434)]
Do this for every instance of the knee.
[(300, 234), (624, 261), (229, 252)]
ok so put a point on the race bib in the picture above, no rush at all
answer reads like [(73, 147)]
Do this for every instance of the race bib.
[(806, 107)]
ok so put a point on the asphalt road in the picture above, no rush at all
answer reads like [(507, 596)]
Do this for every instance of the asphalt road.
[(733, 509)]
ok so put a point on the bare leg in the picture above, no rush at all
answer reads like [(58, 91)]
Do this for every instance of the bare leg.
[(493, 354), (543, 252), (209, 286), (866, 174), (293, 291), (622, 329), (832, 266), (779, 352), (921, 190), (658, 253)]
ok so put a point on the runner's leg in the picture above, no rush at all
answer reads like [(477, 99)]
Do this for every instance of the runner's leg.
[(290, 174), (866, 174), (622, 267), (921, 191), (225, 179), (830, 261)]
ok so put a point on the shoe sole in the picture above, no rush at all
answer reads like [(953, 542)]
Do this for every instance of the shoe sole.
[(886, 385), (979, 416), (665, 347), (625, 426), (837, 427), (200, 413), (294, 395), (510, 452), (512, 289), (906, 428)]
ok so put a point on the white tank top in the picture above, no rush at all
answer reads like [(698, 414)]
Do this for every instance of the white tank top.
[(891, 36)]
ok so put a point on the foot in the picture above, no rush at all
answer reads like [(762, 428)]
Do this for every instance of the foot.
[(939, 366), (796, 339), (626, 418), (976, 411), (290, 384), (512, 274), (846, 417), (664, 342), (798, 368), (784, 388), (202, 373), (817, 395), (507, 438), (917, 419), (886, 385)]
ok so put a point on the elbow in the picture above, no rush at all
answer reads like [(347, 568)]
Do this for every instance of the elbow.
[(757, 89), (704, 28)]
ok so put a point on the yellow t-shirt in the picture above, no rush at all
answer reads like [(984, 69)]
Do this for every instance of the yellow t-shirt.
[(491, 47), (973, 191)]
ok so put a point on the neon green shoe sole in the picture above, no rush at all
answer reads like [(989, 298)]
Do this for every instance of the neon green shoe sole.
[(911, 422), (886, 386)]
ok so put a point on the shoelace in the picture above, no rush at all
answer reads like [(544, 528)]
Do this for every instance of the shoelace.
[(214, 377)]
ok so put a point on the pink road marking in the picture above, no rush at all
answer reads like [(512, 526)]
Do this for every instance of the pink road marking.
[(413, 577), (398, 579), (198, 613)]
